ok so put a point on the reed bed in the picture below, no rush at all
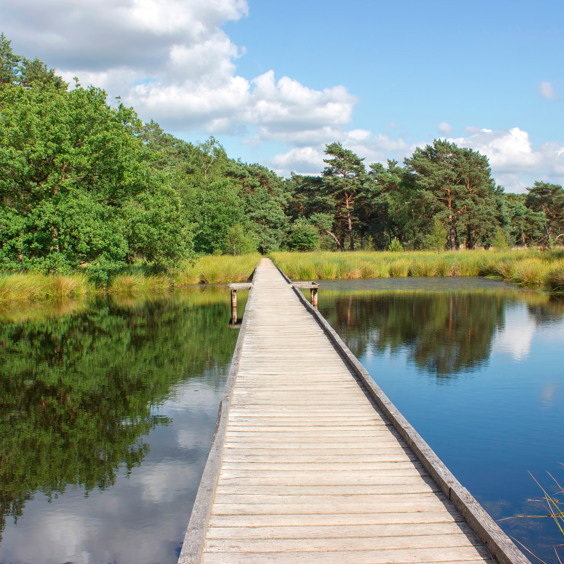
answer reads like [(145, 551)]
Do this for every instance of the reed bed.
[(216, 270), (529, 268), (26, 288), (132, 282), (132, 285)]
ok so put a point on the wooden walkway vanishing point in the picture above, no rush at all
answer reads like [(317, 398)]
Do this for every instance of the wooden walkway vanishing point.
[(311, 462)]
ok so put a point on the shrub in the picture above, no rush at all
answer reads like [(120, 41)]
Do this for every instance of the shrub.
[(304, 236), (395, 246)]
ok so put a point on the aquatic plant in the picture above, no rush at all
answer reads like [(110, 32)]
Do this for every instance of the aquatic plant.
[(554, 504)]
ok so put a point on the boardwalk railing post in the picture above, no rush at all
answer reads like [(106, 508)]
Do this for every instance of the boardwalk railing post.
[(313, 293), (233, 306)]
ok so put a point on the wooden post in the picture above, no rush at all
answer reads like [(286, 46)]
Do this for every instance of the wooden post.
[(234, 306), (313, 293)]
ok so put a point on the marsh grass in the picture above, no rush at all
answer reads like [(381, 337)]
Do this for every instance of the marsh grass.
[(25, 288), (129, 282), (129, 285), (216, 270), (529, 268)]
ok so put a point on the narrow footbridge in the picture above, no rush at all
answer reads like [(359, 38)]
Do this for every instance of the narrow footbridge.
[(311, 462)]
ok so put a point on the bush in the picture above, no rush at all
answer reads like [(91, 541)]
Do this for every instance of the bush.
[(239, 242), (500, 239), (395, 246), (304, 236), (436, 238)]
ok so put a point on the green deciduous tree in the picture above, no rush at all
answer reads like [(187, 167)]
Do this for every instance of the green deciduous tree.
[(304, 236), (76, 184)]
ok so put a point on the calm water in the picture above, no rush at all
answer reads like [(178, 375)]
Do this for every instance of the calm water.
[(106, 420), (107, 413), (479, 373)]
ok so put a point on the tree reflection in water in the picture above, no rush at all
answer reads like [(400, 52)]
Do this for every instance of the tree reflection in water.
[(77, 391), (445, 333)]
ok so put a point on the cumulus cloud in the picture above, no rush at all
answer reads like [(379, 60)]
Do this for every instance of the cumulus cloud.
[(547, 91), (309, 159), (172, 61), (515, 163), (303, 160)]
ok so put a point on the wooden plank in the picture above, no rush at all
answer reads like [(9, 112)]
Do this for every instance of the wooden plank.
[(405, 556), (336, 519), (218, 531), (325, 544), (334, 489)]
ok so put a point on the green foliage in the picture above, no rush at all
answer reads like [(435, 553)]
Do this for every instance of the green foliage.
[(395, 246), (343, 182), (238, 241), (75, 185), (216, 208), (437, 236), (460, 189), (87, 185), (304, 236), (547, 200), (500, 239)]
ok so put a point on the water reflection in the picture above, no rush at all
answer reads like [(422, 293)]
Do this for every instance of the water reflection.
[(86, 399), (442, 333)]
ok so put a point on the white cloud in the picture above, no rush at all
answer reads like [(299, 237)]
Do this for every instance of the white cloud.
[(515, 163), (547, 91), (444, 128), (302, 160), (516, 337), (172, 61), (309, 159)]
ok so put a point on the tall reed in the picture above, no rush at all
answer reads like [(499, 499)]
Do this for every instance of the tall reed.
[(25, 288), (529, 268), (216, 270)]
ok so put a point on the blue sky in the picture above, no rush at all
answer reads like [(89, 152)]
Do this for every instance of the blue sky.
[(275, 82)]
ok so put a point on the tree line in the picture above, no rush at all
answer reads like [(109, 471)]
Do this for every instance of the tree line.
[(86, 183)]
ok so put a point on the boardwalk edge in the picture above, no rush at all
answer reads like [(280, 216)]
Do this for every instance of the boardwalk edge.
[(490, 533)]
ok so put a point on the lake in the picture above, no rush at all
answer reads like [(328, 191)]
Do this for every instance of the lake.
[(108, 409)]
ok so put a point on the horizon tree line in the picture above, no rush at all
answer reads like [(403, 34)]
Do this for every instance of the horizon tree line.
[(86, 184)]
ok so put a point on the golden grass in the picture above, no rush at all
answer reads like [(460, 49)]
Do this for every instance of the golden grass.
[(24, 289), (216, 270), (529, 268), (27, 288)]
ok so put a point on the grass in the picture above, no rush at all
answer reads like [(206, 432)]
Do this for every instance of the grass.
[(529, 268), (553, 503), (31, 287), (216, 270), (132, 282)]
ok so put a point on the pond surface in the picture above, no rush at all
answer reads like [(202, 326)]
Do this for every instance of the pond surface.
[(107, 411), (478, 369), (106, 420)]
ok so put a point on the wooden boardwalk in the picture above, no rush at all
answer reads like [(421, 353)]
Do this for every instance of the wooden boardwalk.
[(307, 467)]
